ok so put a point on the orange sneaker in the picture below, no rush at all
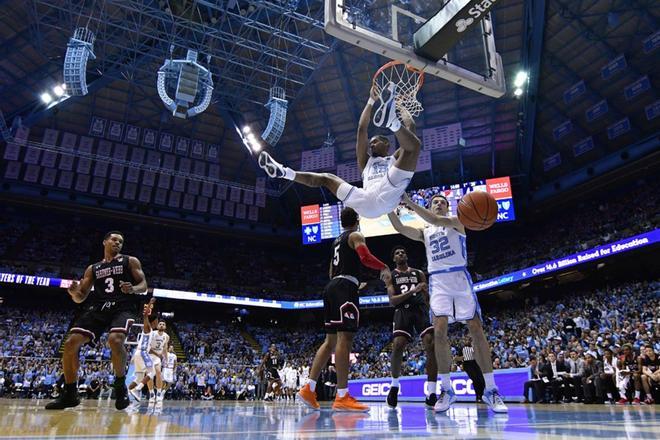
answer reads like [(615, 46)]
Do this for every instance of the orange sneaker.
[(348, 403), (308, 397)]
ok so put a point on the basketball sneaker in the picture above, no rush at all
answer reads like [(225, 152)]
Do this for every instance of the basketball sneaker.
[(308, 397), (136, 394), (445, 401), (349, 404), (493, 399), (121, 400), (68, 399), (431, 399), (272, 168), (393, 397)]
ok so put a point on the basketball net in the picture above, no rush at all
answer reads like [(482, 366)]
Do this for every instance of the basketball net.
[(408, 81)]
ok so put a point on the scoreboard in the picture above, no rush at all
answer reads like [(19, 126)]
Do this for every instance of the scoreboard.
[(321, 222)]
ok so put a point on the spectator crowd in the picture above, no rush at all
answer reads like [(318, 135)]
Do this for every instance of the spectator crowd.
[(597, 346)]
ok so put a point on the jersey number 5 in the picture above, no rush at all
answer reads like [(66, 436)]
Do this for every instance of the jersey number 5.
[(441, 244), (335, 259)]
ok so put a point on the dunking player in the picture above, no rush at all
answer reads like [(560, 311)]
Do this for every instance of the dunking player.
[(452, 294), (159, 343), (384, 178), (270, 364), (143, 360), (169, 368), (341, 311), (117, 280), (409, 294)]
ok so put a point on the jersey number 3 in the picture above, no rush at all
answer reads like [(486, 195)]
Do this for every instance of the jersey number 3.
[(441, 244), (109, 285), (335, 259)]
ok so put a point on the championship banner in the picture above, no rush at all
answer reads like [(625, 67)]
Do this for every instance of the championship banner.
[(442, 138), (551, 162), (97, 127), (197, 149), (149, 138), (166, 142), (115, 131), (182, 146), (349, 172), (132, 135)]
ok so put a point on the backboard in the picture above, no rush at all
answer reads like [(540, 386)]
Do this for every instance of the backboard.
[(388, 27)]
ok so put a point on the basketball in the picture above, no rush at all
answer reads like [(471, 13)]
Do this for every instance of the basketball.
[(477, 210)]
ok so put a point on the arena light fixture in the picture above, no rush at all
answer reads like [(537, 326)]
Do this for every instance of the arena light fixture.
[(247, 129), (46, 98), (521, 78), (58, 91), (518, 92)]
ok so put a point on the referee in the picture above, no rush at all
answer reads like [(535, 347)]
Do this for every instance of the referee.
[(472, 369)]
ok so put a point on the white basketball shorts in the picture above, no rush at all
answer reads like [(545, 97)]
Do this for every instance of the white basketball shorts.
[(380, 198), (168, 375), (452, 295)]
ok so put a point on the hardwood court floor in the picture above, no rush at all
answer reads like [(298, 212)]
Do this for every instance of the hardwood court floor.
[(282, 420)]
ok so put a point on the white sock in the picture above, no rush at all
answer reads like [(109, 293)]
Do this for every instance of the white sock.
[(490, 380), (159, 391), (431, 388), (139, 386), (395, 382), (151, 394), (289, 174), (446, 381), (637, 394), (312, 385), (341, 392), (609, 395)]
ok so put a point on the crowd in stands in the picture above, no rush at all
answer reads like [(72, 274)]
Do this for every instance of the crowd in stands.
[(577, 329), (199, 261)]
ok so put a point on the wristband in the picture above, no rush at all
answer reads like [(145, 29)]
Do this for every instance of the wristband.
[(371, 101)]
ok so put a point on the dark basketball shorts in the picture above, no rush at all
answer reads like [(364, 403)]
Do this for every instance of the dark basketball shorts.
[(272, 375), (100, 317), (341, 306), (411, 320)]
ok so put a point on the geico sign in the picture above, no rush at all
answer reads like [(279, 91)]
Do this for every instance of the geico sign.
[(462, 387), (377, 389)]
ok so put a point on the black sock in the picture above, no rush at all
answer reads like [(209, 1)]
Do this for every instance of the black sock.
[(120, 381), (70, 388)]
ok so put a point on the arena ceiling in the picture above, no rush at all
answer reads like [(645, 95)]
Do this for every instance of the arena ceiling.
[(254, 45)]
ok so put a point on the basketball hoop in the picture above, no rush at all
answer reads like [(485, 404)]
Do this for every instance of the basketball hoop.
[(408, 81)]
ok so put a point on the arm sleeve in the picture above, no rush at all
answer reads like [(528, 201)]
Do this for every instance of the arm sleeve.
[(368, 259)]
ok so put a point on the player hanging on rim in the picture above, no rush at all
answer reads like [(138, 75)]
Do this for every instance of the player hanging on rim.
[(409, 295), (384, 177), (118, 281), (341, 311), (270, 365), (452, 295)]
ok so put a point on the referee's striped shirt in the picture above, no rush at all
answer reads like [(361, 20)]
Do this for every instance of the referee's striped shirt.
[(468, 354)]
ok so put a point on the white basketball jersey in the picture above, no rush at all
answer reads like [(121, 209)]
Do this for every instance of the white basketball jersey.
[(158, 342), (375, 170), (171, 358), (144, 341), (445, 248)]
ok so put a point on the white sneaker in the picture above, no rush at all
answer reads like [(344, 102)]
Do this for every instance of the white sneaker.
[(137, 394), (387, 108), (493, 399), (444, 401), (272, 168)]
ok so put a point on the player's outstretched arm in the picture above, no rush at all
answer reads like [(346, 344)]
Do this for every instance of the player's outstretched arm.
[(431, 218), (406, 231), (138, 275), (362, 142), (146, 311), (356, 241), (80, 290)]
